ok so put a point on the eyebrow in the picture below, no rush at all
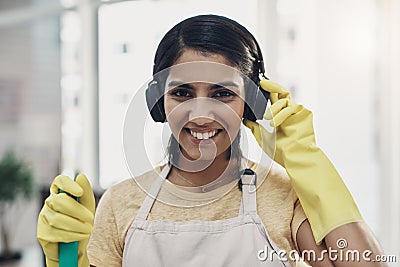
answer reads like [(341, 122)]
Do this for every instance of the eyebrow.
[(213, 87)]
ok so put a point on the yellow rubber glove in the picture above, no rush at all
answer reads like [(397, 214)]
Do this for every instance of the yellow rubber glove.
[(63, 219), (325, 198)]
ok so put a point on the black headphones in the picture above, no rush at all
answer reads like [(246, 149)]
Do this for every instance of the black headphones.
[(255, 102)]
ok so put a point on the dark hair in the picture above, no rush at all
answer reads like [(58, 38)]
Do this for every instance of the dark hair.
[(210, 34)]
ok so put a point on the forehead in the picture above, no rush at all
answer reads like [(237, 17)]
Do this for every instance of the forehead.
[(207, 72), (194, 66), (191, 55)]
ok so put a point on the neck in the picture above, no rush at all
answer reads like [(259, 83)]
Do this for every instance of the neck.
[(220, 170)]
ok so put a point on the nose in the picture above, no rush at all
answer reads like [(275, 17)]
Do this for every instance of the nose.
[(201, 111)]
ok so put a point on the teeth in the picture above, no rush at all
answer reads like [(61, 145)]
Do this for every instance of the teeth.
[(203, 135)]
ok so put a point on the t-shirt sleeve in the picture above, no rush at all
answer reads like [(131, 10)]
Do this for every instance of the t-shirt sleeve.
[(104, 248), (298, 218)]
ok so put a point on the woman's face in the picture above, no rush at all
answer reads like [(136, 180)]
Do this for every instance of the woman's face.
[(204, 104)]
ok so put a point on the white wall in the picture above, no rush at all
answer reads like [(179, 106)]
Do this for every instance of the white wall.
[(388, 95)]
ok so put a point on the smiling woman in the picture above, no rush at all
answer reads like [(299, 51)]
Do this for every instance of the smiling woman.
[(209, 205)]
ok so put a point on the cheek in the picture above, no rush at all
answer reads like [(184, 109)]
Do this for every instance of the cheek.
[(176, 115), (233, 118), (168, 105), (240, 108), (236, 112)]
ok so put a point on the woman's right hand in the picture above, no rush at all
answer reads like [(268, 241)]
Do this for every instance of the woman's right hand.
[(63, 219)]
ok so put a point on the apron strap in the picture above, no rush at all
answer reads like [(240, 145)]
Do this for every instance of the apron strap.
[(152, 194), (248, 204)]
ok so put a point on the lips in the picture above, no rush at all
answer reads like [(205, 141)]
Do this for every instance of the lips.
[(203, 134)]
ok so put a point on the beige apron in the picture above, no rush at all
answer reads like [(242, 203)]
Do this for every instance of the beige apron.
[(239, 241)]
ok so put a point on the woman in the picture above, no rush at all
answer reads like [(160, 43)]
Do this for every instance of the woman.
[(201, 218)]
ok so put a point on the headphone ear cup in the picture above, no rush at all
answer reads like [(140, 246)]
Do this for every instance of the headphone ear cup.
[(256, 102), (250, 93), (260, 103), (248, 113), (155, 102)]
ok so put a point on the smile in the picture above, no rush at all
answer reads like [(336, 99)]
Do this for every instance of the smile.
[(204, 135)]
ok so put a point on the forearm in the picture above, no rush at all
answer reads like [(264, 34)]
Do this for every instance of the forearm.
[(357, 244), (350, 245)]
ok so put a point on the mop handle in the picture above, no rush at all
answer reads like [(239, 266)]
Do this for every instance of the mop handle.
[(68, 252)]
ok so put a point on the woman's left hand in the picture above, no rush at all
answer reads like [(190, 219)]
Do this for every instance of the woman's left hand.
[(293, 125), (325, 198)]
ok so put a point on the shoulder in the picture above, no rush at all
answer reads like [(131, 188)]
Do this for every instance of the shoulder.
[(129, 192), (271, 177), (278, 177), (274, 188)]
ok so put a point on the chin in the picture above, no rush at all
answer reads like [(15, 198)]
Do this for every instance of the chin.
[(193, 153), (199, 156)]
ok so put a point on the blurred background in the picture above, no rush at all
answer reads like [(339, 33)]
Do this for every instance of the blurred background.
[(68, 69)]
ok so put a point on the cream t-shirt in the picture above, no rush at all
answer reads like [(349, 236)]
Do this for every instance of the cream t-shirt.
[(277, 205)]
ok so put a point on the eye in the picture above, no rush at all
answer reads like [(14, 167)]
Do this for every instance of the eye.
[(180, 93), (224, 94)]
